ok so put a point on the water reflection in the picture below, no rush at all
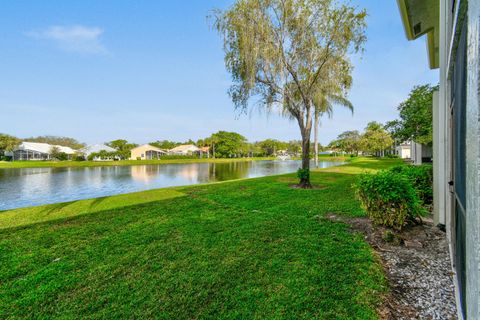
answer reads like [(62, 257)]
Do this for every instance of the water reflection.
[(35, 186)]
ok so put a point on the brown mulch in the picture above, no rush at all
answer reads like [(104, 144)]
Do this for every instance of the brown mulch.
[(417, 265)]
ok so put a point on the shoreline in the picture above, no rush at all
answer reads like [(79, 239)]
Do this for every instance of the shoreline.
[(85, 164)]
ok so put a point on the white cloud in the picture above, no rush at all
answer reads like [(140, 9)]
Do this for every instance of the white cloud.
[(75, 38)]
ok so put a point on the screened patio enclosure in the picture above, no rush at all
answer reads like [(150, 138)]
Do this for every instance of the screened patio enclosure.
[(23, 155), (152, 155)]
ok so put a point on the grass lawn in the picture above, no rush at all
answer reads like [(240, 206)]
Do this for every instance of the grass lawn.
[(63, 164), (253, 248)]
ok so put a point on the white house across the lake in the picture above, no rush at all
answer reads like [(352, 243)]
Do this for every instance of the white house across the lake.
[(37, 151), (97, 148), (184, 149)]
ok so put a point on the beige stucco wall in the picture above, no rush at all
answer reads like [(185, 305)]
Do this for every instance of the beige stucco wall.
[(141, 150)]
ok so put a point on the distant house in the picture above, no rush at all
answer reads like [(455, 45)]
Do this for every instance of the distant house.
[(185, 149), (205, 150), (146, 152), (327, 152), (97, 148), (421, 153), (37, 151), (404, 150)]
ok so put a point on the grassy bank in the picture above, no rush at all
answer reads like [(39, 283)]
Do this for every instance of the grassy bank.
[(65, 164), (253, 248)]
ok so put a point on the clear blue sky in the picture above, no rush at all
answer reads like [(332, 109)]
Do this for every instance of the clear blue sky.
[(148, 70)]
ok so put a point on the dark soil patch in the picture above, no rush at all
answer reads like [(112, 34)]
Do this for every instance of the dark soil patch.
[(417, 265), (313, 187)]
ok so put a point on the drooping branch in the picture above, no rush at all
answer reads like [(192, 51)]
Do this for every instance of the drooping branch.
[(291, 54)]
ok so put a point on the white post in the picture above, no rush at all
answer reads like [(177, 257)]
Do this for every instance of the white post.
[(438, 162)]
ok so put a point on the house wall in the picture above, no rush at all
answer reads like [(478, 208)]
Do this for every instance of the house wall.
[(405, 152), (448, 41), (473, 162), (137, 152), (427, 153), (444, 161), (416, 153), (454, 183), (446, 198)]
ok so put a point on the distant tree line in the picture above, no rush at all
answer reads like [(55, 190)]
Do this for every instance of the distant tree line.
[(225, 144), (375, 140), (55, 140), (222, 144)]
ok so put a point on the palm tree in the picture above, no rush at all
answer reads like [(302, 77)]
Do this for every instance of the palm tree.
[(324, 104), (332, 92)]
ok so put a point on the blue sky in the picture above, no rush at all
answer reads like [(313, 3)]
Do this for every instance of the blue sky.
[(149, 70)]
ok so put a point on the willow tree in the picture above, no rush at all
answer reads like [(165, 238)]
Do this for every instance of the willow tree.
[(278, 52)]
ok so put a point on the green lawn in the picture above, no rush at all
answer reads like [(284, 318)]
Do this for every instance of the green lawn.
[(63, 164), (246, 249)]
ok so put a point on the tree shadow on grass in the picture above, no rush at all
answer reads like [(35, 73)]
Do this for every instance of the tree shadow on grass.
[(23, 217)]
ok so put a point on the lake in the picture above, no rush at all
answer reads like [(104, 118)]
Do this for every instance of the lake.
[(24, 187)]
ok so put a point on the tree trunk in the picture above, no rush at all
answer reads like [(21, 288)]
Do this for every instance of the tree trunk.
[(315, 137), (305, 181)]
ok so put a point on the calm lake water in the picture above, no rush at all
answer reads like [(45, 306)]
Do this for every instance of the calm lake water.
[(35, 186)]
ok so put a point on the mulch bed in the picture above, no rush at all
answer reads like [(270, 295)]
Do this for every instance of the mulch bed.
[(417, 265)]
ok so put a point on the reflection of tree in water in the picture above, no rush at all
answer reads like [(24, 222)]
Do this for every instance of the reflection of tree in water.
[(228, 170)]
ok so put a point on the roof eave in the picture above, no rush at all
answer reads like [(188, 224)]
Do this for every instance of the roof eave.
[(402, 6), (432, 61)]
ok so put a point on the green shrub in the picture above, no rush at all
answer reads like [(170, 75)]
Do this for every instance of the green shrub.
[(421, 177), (179, 156), (303, 174), (60, 156), (78, 157), (392, 156), (389, 198)]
